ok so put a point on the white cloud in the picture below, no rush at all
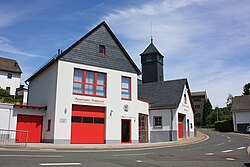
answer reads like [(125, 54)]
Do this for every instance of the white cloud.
[(200, 40), (5, 46)]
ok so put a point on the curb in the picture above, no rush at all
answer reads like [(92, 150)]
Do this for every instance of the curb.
[(201, 137)]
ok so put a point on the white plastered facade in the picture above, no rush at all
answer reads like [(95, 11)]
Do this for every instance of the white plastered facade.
[(13, 82)]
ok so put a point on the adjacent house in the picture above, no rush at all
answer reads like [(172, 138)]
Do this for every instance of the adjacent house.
[(10, 75), (241, 112), (199, 100), (171, 111)]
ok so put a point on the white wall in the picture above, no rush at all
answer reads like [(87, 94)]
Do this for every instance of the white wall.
[(240, 117), (5, 116), (42, 92), (186, 109), (13, 83), (113, 102)]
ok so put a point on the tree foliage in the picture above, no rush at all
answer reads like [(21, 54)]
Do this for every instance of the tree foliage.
[(246, 89), (4, 93)]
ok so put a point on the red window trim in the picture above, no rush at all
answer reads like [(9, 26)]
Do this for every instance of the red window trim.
[(130, 89), (104, 50), (93, 84)]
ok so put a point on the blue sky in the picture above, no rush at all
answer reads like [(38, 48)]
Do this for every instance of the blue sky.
[(206, 41)]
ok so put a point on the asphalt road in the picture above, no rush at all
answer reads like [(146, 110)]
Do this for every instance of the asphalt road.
[(220, 150)]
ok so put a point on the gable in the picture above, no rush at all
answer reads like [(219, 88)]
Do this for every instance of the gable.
[(86, 51)]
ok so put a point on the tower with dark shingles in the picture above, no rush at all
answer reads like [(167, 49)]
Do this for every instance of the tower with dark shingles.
[(152, 64)]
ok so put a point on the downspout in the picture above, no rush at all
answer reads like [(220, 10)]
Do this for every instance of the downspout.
[(171, 125)]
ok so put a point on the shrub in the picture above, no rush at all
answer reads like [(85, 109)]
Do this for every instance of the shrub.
[(224, 125)]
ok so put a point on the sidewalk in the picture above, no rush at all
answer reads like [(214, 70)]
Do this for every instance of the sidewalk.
[(199, 138)]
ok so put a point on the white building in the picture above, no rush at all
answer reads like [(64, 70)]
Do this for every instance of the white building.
[(171, 109), (241, 112), (10, 75), (90, 92)]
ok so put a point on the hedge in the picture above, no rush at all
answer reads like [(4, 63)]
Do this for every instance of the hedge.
[(224, 126)]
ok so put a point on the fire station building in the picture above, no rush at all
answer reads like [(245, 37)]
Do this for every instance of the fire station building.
[(90, 94)]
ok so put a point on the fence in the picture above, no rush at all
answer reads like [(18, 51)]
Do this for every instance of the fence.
[(13, 138)]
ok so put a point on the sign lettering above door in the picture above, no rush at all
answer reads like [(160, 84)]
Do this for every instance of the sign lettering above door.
[(88, 100)]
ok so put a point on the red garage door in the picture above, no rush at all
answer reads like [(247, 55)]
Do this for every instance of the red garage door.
[(32, 124), (88, 125), (180, 126)]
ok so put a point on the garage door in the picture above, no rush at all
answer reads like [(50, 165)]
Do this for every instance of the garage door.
[(32, 124), (88, 125), (180, 126)]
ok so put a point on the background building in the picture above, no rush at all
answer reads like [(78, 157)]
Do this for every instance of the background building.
[(241, 112), (199, 99), (10, 75)]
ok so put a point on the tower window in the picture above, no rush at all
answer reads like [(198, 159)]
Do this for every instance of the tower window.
[(148, 58), (102, 50)]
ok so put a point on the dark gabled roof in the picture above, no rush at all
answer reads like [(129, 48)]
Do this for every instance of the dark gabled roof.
[(241, 104), (136, 69), (166, 94), (151, 49), (9, 65)]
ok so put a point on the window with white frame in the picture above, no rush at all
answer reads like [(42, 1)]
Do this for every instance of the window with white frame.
[(157, 121)]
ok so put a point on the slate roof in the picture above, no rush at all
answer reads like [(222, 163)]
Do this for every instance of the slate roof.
[(9, 65), (85, 51), (241, 104), (150, 50), (166, 94)]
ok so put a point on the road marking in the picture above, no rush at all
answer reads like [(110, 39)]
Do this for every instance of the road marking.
[(228, 137), (227, 151), (139, 161), (120, 155), (230, 159), (219, 144), (60, 164), (241, 148), (2, 148), (47, 149), (209, 154), (229, 141), (34, 156)]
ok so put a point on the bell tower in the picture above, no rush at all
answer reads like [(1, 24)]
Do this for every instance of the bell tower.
[(152, 64)]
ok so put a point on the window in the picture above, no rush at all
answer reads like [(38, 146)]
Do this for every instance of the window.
[(89, 83), (102, 50), (76, 119), (99, 120), (88, 119), (126, 88), (8, 89), (9, 76), (157, 122), (185, 98), (148, 58), (197, 106), (49, 125)]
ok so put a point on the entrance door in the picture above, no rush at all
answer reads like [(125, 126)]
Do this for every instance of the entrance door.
[(126, 131), (32, 124), (180, 126)]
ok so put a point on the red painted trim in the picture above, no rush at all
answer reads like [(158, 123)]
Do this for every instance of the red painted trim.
[(129, 89), (162, 108), (144, 101), (29, 106), (92, 84)]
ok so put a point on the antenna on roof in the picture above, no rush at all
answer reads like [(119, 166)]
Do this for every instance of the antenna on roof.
[(151, 36)]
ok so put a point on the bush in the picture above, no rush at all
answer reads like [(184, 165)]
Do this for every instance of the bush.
[(224, 126)]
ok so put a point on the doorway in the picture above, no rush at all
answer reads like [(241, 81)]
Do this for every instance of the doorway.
[(126, 131)]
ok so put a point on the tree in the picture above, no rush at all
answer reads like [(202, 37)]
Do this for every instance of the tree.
[(246, 89), (207, 112), (4, 93), (229, 101)]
